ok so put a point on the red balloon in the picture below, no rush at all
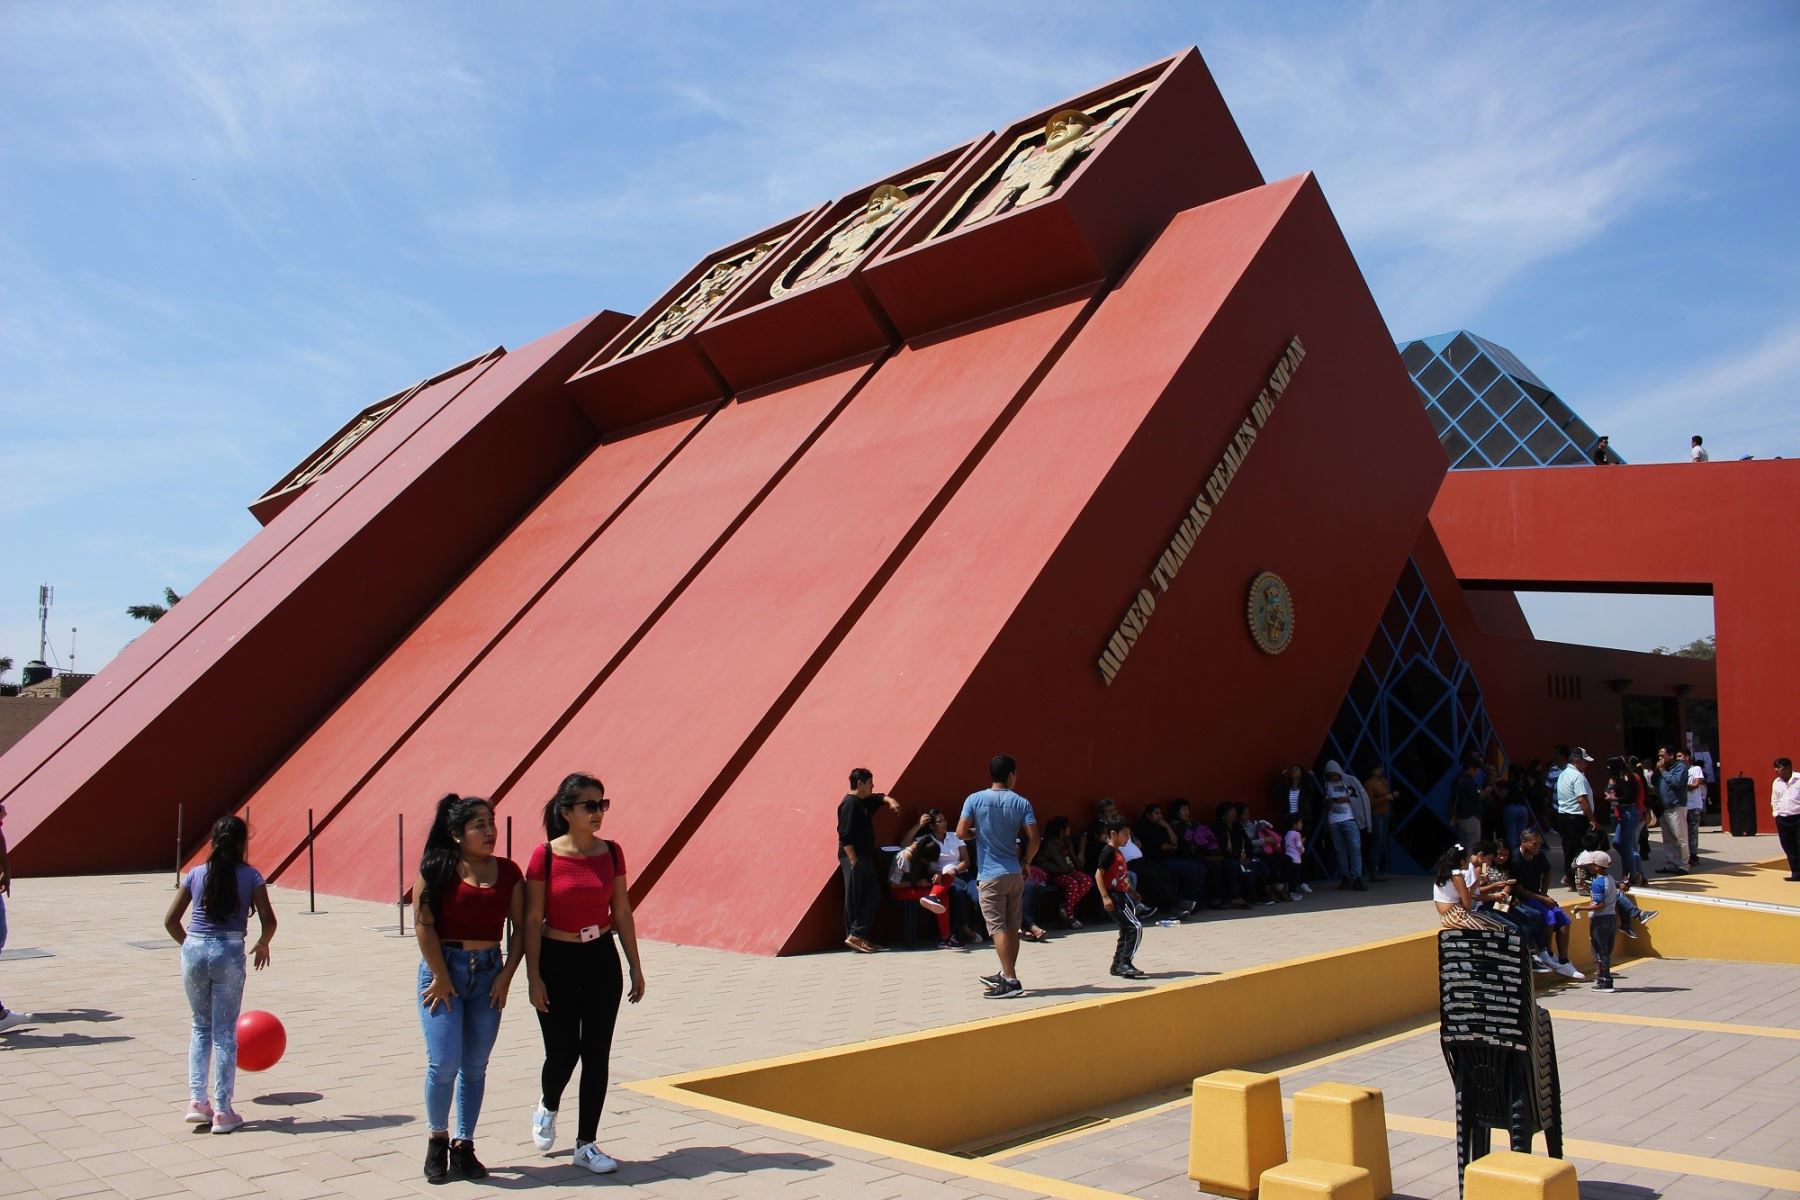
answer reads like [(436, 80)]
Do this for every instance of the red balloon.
[(261, 1041)]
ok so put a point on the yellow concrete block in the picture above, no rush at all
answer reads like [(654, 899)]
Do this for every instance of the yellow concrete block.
[(1509, 1175), (1314, 1179), (1236, 1132), (1344, 1123)]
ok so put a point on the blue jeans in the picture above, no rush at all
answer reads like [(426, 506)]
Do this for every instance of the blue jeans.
[(1626, 838), (212, 971), (459, 1037), (1346, 839)]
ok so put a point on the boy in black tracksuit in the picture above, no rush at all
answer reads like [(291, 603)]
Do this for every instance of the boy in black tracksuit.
[(1116, 892)]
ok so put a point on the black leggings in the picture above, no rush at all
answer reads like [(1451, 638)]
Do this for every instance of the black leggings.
[(583, 985)]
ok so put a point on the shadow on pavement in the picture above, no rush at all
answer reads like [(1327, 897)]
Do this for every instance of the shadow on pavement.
[(348, 1124), (50, 1041), (688, 1162), (74, 1014)]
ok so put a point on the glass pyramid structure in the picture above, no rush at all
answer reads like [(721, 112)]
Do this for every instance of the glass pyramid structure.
[(1490, 409)]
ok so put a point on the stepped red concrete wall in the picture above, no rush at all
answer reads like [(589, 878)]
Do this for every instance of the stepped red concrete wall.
[(196, 709), (985, 638), (331, 764), (544, 670), (669, 727)]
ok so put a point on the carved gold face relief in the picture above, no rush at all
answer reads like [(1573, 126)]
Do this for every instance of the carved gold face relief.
[(704, 295), (834, 252), (1038, 163)]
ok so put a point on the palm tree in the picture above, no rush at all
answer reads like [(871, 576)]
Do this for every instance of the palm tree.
[(5, 667), (154, 612)]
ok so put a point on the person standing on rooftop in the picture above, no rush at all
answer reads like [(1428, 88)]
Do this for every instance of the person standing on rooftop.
[(1697, 450), (1602, 454), (997, 817)]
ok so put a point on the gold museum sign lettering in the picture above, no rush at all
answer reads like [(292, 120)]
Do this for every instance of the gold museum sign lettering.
[(1163, 572)]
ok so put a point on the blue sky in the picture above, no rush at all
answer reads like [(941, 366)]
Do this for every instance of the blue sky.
[(226, 228)]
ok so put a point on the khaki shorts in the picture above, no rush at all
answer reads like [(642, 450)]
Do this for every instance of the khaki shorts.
[(1002, 903)]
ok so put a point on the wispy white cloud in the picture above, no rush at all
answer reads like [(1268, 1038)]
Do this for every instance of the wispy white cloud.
[(1743, 400), (234, 87), (1462, 147)]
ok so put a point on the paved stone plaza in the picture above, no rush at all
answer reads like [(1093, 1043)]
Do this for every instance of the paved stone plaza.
[(91, 1094)]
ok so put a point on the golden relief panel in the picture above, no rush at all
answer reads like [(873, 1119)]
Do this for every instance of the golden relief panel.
[(1038, 163), (698, 301), (834, 252)]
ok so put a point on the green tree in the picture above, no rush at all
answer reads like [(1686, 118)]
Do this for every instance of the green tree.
[(1698, 648), (154, 612), (5, 667)]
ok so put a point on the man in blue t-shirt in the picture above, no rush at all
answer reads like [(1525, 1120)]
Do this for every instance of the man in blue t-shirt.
[(997, 817)]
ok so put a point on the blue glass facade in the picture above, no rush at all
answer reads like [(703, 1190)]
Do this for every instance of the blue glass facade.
[(1415, 707), (1490, 409)]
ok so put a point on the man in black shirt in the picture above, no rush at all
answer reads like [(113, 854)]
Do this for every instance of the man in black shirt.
[(857, 859)]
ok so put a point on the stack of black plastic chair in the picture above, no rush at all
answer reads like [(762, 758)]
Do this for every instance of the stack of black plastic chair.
[(1497, 1043)]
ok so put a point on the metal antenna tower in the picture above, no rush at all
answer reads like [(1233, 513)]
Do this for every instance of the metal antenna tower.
[(46, 594)]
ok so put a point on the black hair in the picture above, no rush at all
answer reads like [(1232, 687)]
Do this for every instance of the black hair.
[(1057, 827), (922, 827), (1562, 751), (1698, 440), (1150, 808), (1288, 822), (922, 861), (1001, 768), (1225, 806), (1176, 805), (1449, 863), (860, 776), (1485, 847), (437, 864), (567, 792), (1113, 825), (219, 898)]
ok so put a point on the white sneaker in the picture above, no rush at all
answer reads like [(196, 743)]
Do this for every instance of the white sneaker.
[(1568, 971), (595, 1159), (1306, 889), (14, 1018), (543, 1128), (1543, 962)]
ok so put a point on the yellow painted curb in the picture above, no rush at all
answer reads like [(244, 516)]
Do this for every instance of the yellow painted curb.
[(950, 1164)]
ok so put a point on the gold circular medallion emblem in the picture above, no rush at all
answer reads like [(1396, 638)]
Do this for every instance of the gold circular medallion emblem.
[(1271, 613)]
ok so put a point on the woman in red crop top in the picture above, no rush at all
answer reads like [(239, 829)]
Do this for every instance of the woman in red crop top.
[(462, 901), (574, 899)]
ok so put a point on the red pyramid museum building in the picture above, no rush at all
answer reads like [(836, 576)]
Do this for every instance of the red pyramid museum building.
[(984, 455)]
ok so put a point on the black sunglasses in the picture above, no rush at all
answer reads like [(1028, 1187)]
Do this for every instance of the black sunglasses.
[(590, 806)]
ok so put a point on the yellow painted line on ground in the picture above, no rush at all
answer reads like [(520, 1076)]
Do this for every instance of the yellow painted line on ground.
[(1726, 1169), (1768, 1031), (950, 1164)]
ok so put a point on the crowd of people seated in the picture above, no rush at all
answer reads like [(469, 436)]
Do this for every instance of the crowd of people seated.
[(1178, 866)]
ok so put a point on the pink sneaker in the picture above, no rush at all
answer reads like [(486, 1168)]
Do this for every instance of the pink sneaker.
[(199, 1112), (224, 1121)]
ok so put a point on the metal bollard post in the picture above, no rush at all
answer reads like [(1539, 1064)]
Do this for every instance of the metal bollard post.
[(400, 869), (312, 895)]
